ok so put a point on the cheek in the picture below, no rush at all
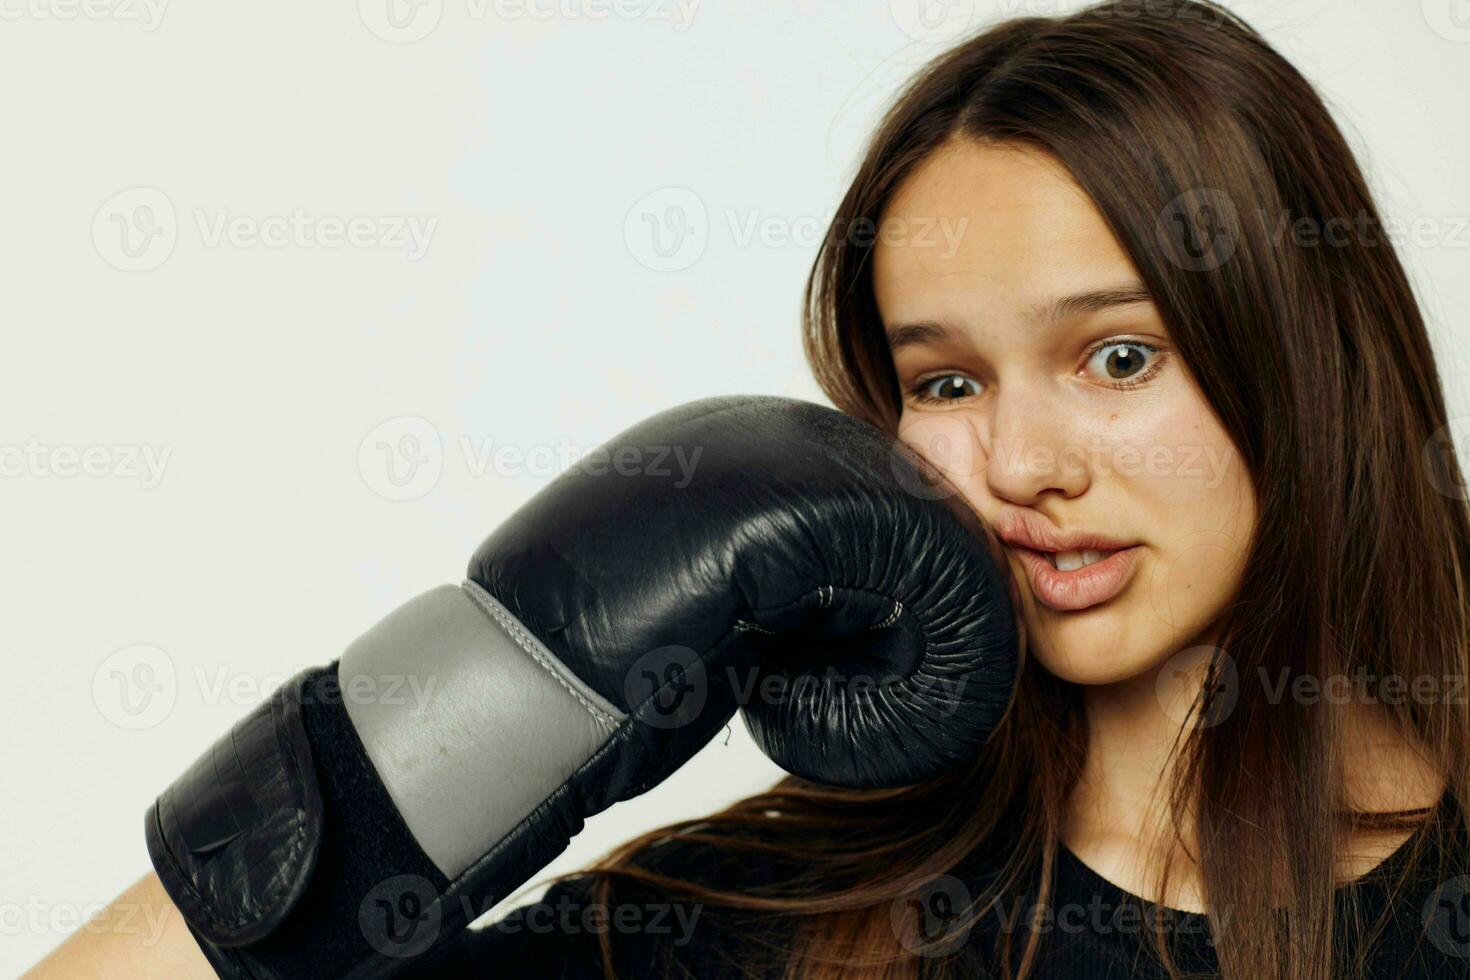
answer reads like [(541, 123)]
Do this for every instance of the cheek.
[(948, 441), (1206, 503), (1198, 513)]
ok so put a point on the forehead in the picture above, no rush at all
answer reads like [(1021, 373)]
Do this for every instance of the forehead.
[(980, 229)]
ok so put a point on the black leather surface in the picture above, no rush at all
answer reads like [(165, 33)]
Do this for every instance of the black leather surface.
[(235, 839), (799, 551)]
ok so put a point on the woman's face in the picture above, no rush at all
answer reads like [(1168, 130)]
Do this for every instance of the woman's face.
[(1040, 377)]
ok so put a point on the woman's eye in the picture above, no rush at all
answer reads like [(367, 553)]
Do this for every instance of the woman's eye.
[(1128, 361), (945, 388)]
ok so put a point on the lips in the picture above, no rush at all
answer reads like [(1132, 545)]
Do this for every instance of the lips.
[(1090, 585), (1069, 569), (1025, 528)]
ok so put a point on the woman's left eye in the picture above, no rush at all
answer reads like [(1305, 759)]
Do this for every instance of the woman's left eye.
[(1124, 362)]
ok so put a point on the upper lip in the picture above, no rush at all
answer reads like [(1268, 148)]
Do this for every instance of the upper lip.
[(1027, 529)]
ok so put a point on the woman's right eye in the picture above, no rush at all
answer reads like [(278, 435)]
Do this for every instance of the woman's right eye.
[(945, 388)]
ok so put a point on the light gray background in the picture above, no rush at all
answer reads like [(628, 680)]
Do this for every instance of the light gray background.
[(541, 314)]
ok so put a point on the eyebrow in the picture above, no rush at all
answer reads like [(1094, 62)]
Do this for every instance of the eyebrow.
[(1060, 308)]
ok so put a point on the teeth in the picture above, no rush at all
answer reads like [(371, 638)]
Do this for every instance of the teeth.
[(1070, 561)]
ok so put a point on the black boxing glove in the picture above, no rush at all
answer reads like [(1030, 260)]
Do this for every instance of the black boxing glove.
[(798, 564)]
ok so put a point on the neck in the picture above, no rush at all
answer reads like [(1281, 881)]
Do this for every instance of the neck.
[(1132, 728), (1122, 797)]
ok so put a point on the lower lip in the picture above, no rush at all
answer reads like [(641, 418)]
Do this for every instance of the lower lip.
[(1080, 588)]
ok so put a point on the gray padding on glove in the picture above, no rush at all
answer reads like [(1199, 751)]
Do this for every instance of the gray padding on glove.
[(469, 720)]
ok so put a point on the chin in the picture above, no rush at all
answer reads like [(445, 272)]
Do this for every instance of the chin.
[(1093, 671), (1099, 645)]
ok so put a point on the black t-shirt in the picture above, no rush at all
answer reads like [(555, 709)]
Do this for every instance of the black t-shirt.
[(1093, 929)]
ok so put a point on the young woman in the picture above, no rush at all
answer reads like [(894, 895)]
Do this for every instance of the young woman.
[(1118, 274)]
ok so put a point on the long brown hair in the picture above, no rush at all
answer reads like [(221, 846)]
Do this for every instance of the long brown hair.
[(1194, 139)]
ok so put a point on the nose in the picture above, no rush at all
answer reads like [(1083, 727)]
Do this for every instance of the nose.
[(1014, 447), (1029, 446)]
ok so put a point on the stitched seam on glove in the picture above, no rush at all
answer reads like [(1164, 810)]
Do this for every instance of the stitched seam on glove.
[(529, 645)]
